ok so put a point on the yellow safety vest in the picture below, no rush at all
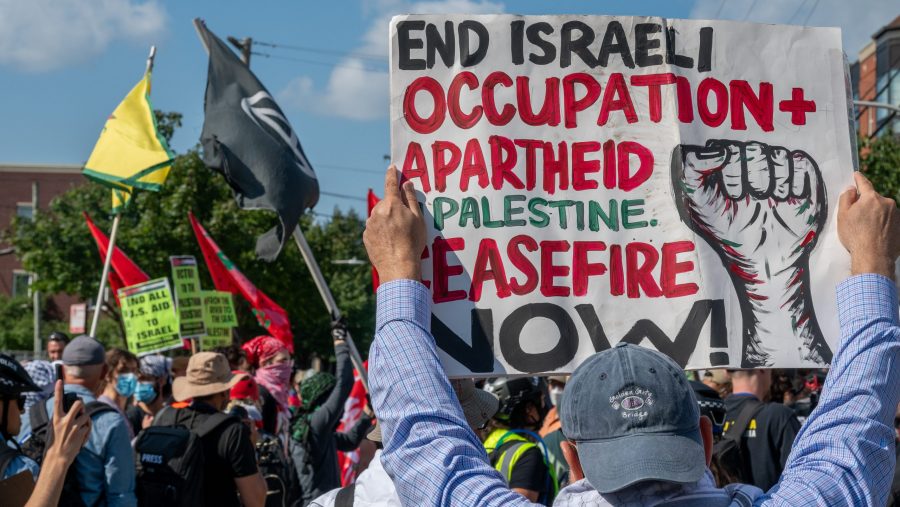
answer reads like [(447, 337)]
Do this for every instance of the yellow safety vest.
[(506, 461)]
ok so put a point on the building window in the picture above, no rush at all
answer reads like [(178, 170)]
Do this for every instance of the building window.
[(24, 210), (21, 285)]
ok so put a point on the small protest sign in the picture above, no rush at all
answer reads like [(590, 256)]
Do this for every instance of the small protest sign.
[(148, 313), (589, 180), (188, 300), (77, 318), (218, 311)]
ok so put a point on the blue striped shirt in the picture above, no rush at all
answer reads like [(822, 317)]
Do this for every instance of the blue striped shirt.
[(844, 454)]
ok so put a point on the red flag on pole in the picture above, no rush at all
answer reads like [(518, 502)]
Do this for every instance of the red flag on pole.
[(372, 200), (124, 272), (226, 277), (348, 462)]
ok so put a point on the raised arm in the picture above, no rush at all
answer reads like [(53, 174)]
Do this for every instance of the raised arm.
[(430, 451), (844, 454), (328, 415)]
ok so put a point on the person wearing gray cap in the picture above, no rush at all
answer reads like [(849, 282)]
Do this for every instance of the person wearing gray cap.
[(374, 487), (631, 418), (104, 469)]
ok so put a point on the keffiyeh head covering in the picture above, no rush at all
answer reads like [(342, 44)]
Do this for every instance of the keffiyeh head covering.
[(261, 348), (312, 391), (43, 373), (156, 366)]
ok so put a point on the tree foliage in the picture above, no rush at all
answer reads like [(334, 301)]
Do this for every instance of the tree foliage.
[(879, 160), (59, 248)]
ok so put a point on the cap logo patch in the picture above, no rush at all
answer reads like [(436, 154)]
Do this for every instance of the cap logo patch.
[(632, 402)]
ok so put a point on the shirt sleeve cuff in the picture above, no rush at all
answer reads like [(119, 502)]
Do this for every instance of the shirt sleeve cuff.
[(403, 300), (867, 296)]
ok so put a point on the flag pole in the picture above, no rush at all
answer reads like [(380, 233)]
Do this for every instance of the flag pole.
[(330, 304), (106, 264), (112, 240)]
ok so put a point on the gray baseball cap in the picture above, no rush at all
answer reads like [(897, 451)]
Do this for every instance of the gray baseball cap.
[(83, 350), (635, 418)]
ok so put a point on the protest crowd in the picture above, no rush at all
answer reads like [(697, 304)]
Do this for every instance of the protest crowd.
[(233, 429), (242, 424)]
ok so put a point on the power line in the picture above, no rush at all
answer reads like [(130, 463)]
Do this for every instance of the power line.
[(313, 62), (344, 196), (749, 11), (364, 56), (346, 168), (719, 10), (811, 12), (799, 7)]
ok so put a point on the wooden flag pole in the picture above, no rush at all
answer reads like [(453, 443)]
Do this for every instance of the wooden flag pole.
[(98, 305), (106, 264), (330, 304)]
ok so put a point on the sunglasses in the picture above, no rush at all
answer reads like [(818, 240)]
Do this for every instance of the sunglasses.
[(20, 401)]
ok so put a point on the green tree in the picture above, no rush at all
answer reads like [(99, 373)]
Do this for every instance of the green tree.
[(59, 248), (879, 160)]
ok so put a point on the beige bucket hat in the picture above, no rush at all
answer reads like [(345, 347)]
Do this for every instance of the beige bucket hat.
[(207, 373)]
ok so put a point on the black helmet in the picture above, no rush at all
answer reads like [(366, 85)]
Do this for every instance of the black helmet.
[(711, 405), (514, 392), (14, 380)]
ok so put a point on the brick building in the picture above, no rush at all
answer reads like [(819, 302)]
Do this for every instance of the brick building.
[(19, 185), (876, 77)]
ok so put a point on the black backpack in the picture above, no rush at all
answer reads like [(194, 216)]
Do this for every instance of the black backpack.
[(170, 460), (728, 457)]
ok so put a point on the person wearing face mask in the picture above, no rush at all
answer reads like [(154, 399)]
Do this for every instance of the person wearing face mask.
[(153, 391), (272, 363), (510, 439), (121, 381)]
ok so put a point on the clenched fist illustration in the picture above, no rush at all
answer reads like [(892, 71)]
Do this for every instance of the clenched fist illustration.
[(761, 208)]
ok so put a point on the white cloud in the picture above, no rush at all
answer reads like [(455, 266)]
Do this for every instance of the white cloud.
[(858, 19), (358, 88), (41, 35)]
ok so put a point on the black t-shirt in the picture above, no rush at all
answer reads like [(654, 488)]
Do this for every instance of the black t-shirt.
[(227, 452), (768, 439), (135, 417), (530, 472)]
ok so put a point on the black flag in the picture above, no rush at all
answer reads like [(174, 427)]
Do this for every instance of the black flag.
[(248, 139)]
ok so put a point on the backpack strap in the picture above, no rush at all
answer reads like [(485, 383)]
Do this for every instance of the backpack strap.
[(40, 419), (344, 497), (212, 422), (7, 454), (97, 407), (751, 408)]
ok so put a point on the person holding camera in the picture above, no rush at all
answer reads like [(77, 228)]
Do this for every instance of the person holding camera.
[(104, 469)]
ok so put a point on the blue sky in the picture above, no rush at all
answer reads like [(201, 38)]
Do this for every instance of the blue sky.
[(65, 64)]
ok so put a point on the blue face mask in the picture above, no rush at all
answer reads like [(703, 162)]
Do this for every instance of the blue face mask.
[(125, 384), (145, 392)]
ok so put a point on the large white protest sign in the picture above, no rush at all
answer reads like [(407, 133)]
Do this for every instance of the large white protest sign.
[(589, 180)]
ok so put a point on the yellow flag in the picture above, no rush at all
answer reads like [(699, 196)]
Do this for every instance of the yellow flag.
[(130, 152)]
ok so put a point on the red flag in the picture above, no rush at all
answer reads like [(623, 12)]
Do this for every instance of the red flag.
[(123, 271), (348, 462), (372, 200), (226, 277)]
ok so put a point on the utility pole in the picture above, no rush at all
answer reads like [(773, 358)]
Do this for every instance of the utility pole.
[(34, 293), (244, 45)]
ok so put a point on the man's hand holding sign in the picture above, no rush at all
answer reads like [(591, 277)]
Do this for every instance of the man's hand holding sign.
[(395, 231)]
